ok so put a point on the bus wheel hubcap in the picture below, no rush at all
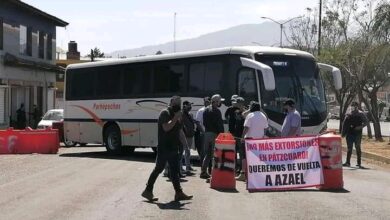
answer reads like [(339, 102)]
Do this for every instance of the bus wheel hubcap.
[(112, 141)]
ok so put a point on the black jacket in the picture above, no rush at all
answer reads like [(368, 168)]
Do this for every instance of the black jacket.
[(353, 120)]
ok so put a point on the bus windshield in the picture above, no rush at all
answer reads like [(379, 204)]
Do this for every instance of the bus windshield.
[(296, 78)]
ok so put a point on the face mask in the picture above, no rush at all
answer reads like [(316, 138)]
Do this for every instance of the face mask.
[(176, 108)]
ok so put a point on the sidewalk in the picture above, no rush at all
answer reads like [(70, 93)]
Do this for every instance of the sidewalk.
[(371, 149)]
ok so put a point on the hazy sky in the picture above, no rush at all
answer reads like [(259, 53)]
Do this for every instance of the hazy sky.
[(124, 24)]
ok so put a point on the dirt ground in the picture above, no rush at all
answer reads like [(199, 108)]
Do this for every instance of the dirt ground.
[(381, 148), (375, 147)]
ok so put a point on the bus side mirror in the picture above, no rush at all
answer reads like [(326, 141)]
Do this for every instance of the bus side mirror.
[(266, 71), (336, 73)]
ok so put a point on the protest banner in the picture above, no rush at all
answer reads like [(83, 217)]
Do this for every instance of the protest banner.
[(283, 163)]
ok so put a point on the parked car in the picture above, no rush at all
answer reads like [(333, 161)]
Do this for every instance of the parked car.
[(54, 115), (55, 119), (335, 112)]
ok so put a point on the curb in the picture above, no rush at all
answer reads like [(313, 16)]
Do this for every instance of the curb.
[(371, 156)]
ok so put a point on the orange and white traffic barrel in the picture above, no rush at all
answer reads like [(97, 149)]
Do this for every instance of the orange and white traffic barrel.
[(223, 173), (331, 159)]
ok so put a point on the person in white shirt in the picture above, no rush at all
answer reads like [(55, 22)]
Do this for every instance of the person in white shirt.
[(254, 128), (255, 123), (199, 134)]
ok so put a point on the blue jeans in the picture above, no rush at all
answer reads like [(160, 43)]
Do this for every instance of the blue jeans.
[(187, 153), (351, 140)]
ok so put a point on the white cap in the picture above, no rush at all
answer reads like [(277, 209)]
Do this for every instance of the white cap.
[(217, 97), (234, 97)]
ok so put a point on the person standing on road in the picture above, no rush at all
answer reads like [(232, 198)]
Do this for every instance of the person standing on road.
[(169, 128), (352, 128), (21, 117), (254, 128), (236, 127), (292, 122), (213, 123), (189, 132), (36, 116), (230, 113), (182, 146), (199, 134)]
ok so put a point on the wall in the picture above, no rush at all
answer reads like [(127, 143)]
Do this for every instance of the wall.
[(13, 17), (22, 84)]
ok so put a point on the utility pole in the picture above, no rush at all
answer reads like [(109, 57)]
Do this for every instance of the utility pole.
[(281, 35), (281, 26), (174, 32), (319, 28), (92, 56)]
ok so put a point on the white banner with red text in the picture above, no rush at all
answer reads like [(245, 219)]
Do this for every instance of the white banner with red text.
[(283, 163)]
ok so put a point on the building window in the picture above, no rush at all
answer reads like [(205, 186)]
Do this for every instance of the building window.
[(1, 33), (41, 44), (49, 47), (25, 40), (2, 105), (29, 42)]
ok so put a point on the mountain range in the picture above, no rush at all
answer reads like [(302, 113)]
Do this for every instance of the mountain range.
[(265, 34)]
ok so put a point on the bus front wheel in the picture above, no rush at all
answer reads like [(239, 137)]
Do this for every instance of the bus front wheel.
[(113, 140)]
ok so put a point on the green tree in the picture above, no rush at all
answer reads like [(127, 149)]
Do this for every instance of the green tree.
[(95, 53), (303, 32), (362, 53), (374, 75), (335, 45), (344, 97), (381, 25)]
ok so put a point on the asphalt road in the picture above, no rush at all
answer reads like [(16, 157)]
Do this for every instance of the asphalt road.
[(385, 127), (86, 183)]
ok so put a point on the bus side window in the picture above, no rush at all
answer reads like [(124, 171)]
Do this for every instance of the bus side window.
[(108, 82), (83, 83), (196, 77), (213, 77), (136, 81), (206, 77), (247, 86), (169, 79)]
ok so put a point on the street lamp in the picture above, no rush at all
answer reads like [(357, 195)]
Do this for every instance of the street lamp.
[(281, 26)]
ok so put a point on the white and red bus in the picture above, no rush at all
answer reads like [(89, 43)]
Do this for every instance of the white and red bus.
[(117, 103)]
